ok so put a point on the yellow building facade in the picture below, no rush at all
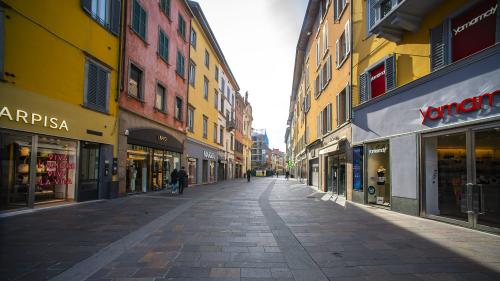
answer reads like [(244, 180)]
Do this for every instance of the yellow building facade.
[(58, 100)]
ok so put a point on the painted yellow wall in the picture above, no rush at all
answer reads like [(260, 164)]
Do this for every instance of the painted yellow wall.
[(412, 53), (196, 94), (46, 46)]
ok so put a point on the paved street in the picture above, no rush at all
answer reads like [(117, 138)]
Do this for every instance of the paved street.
[(270, 229)]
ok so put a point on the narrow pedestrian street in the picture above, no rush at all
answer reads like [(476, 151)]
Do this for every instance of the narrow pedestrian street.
[(269, 229)]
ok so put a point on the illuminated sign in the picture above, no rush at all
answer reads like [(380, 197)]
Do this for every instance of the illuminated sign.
[(22, 116)]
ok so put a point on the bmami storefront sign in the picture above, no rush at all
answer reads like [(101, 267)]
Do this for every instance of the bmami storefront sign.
[(457, 108), (35, 119)]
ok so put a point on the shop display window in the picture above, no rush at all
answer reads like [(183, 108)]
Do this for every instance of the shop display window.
[(192, 163), (378, 174), (212, 171)]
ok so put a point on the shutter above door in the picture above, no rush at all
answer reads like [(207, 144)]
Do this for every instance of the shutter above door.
[(439, 45), (390, 72), (363, 88)]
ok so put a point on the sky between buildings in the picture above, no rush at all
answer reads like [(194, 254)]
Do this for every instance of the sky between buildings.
[(258, 38)]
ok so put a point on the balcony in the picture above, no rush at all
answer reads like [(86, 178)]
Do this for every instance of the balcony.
[(394, 17)]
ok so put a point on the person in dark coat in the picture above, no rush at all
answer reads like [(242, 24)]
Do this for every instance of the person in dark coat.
[(183, 180), (174, 179), (248, 175)]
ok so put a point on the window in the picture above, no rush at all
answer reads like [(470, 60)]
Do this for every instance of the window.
[(165, 7), (216, 99), (181, 27), (342, 107), (232, 142), (160, 98), (193, 38), (217, 74), (190, 125), (135, 82), (221, 135), (205, 88), (325, 38), (139, 20), (180, 64), (205, 126), (326, 119), (222, 86), (163, 45), (326, 73), (317, 86), (343, 46), (378, 79), (105, 12), (465, 34), (215, 132), (207, 59), (338, 9), (318, 53), (192, 73), (96, 86), (178, 109)]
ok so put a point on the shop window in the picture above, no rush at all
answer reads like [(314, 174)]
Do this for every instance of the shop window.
[(192, 73), (179, 69), (190, 119), (160, 98), (163, 44), (105, 12), (165, 7), (178, 109), (465, 34), (192, 165), (135, 86), (205, 88), (378, 79), (205, 126), (193, 38), (139, 20), (357, 168), (181, 27), (96, 86), (378, 174)]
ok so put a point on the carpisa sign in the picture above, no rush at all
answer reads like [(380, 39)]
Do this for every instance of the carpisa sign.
[(454, 108)]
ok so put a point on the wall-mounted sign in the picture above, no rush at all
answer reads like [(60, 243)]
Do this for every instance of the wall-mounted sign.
[(35, 119), (378, 150), (377, 81), (162, 138), (466, 105), (209, 155)]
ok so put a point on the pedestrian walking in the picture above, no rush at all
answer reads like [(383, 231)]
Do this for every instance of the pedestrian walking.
[(287, 174), (174, 180), (248, 175), (183, 179)]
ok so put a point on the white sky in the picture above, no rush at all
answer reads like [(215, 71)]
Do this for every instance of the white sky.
[(258, 39)]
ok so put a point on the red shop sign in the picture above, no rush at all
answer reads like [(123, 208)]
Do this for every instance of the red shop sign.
[(474, 29), (377, 81), (466, 105)]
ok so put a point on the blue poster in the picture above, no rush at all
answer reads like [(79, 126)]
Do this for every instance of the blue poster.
[(357, 168)]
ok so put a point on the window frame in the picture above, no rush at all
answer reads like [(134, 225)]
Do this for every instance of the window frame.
[(86, 86), (178, 111), (192, 73), (182, 75), (206, 87), (207, 59), (193, 38), (164, 103), (167, 45), (140, 88), (138, 32), (190, 121), (215, 132), (205, 127), (166, 13), (181, 32)]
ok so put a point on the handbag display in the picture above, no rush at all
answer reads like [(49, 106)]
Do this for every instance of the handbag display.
[(24, 151), (23, 168)]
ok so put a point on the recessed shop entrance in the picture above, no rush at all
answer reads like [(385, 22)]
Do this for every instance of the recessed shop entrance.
[(461, 171)]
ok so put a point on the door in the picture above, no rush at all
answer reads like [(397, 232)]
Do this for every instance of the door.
[(88, 187), (341, 176), (487, 176)]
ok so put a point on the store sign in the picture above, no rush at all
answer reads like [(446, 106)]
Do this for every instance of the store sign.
[(474, 30), (209, 154), (377, 81), (377, 150), (162, 138), (465, 106), (35, 119)]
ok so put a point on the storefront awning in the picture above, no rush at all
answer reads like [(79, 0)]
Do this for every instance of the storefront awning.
[(331, 148), (154, 138)]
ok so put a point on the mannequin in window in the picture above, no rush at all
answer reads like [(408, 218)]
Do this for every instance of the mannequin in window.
[(381, 175)]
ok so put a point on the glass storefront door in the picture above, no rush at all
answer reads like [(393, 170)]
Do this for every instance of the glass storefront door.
[(88, 188), (336, 174), (137, 168), (378, 174), (192, 171), (487, 175), (462, 176), (15, 155)]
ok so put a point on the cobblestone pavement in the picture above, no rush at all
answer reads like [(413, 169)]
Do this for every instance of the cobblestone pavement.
[(269, 229)]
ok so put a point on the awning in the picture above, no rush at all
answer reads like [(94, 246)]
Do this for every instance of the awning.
[(331, 148)]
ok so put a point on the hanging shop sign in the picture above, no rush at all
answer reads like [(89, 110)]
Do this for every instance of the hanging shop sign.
[(209, 154), (465, 106), (35, 119)]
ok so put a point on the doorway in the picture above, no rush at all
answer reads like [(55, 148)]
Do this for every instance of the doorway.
[(88, 188), (336, 174), (462, 176)]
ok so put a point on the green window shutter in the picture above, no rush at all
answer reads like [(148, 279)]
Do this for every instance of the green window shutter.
[(136, 16), (143, 23), (102, 89), (115, 16)]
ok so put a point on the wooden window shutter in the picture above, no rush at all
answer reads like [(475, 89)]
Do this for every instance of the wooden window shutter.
[(318, 125), (390, 72), (337, 100), (347, 35), (439, 45), (329, 68), (91, 96), (335, 10), (329, 117), (348, 102), (337, 62), (102, 88), (363, 87)]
